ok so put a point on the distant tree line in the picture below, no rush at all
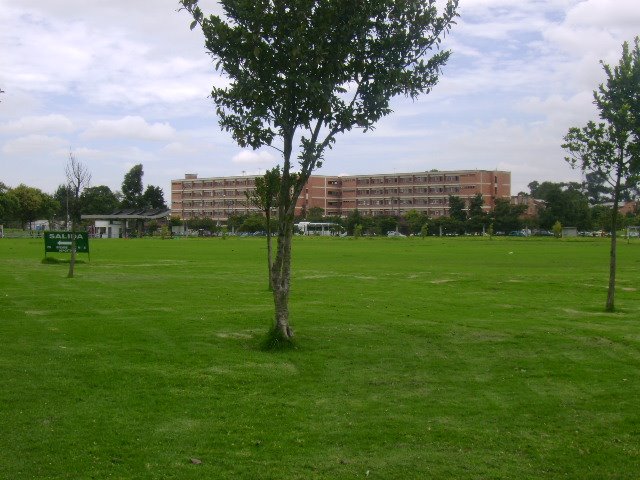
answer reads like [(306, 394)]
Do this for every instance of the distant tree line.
[(20, 206)]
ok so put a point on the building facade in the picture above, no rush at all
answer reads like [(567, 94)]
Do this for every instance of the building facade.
[(379, 194)]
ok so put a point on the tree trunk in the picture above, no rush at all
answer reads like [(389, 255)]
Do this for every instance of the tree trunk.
[(612, 252), (281, 276), (281, 269), (269, 250), (72, 260)]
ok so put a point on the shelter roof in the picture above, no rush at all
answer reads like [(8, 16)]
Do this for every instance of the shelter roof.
[(131, 213)]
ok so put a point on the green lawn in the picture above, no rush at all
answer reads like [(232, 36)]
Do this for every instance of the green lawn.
[(416, 359)]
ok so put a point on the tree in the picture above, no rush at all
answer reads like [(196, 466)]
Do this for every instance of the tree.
[(475, 206), (597, 188), (98, 200), (612, 147), (415, 221), (456, 208), (315, 214), (477, 217), (132, 188), (564, 202), (353, 219), (308, 70), (31, 204), (78, 178), (253, 223), (8, 203), (61, 195), (506, 217), (49, 208), (265, 197), (153, 197)]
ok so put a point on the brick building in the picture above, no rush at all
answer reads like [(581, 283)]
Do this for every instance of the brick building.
[(379, 194)]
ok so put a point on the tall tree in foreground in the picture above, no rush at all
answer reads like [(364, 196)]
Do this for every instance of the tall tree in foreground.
[(78, 178), (611, 148), (303, 71), (265, 197)]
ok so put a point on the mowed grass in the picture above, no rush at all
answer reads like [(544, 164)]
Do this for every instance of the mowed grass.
[(415, 359)]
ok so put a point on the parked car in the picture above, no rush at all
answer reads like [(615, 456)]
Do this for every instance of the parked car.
[(393, 233)]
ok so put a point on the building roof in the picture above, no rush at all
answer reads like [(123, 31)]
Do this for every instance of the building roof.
[(131, 213)]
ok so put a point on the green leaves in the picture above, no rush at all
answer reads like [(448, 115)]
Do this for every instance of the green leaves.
[(292, 64), (612, 147)]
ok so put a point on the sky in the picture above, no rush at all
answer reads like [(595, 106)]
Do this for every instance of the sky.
[(119, 83)]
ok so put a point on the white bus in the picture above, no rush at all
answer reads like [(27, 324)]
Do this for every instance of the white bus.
[(318, 228)]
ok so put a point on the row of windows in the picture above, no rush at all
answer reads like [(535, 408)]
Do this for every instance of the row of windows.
[(215, 184), (220, 193), (392, 212), (414, 201), (191, 203), (408, 191), (409, 179)]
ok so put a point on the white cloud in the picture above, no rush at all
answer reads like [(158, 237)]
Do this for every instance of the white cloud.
[(250, 157), (130, 127), (46, 124), (34, 145)]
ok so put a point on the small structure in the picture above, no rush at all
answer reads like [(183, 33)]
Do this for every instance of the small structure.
[(117, 224), (568, 232)]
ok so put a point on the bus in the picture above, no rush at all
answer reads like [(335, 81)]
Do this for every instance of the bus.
[(318, 228)]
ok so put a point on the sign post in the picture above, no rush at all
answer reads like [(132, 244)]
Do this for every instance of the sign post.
[(61, 242)]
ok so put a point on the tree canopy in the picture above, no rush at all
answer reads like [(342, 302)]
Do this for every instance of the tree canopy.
[(98, 200), (153, 197)]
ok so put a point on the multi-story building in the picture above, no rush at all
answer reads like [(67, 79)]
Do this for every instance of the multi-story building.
[(379, 194)]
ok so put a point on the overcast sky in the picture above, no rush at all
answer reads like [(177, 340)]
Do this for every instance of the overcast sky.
[(125, 82)]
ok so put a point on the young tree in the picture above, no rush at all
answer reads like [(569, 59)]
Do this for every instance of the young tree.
[(308, 70), (265, 197), (78, 178), (612, 147)]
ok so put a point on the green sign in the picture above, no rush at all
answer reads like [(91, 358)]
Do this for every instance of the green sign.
[(62, 241)]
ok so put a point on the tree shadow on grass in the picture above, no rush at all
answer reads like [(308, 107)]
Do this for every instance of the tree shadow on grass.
[(274, 341)]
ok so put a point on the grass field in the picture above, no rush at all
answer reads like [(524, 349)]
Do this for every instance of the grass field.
[(416, 359)]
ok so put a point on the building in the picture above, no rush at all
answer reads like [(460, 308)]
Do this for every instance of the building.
[(379, 194)]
